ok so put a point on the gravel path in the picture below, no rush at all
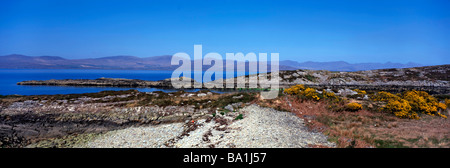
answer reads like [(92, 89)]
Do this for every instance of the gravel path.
[(260, 128)]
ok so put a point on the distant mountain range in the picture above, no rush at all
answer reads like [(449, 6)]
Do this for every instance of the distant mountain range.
[(16, 61)]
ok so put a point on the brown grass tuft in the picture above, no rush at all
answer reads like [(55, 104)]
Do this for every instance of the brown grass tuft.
[(363, 128)]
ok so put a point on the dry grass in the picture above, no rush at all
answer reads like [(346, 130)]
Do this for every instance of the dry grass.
[(363, 128)]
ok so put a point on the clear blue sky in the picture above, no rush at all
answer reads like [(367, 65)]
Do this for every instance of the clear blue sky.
[(316, 30)]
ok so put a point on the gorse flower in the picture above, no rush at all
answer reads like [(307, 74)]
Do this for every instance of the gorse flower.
[(310, 93), (326, 94), (401, 109), (422, 102), (361, 92), (304, 92), (353, 106), (411, 103), (385, 96), (294, 90)]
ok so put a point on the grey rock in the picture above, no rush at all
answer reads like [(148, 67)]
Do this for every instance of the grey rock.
[(229, 107), (201, 94), (346, 92), (238, 97)]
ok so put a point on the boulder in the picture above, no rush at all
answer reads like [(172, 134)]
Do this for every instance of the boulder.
[(346, 92), (201, 94)]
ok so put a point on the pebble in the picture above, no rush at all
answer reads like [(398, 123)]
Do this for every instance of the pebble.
[(137, 137), (260, 128)]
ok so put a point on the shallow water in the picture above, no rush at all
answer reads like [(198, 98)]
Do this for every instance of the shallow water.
[(10, 77)]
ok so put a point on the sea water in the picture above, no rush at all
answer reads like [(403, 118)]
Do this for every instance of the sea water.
[(10, 77)]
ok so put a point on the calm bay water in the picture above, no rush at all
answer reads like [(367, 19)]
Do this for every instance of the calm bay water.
[(9, 78)]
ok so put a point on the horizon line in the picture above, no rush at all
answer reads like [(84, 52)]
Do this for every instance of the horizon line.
[(410, 62)]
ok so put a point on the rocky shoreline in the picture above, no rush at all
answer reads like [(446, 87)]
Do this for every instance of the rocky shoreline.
[(113, 82), (432, 79), (28, 119), (149, 119), (104, 82)]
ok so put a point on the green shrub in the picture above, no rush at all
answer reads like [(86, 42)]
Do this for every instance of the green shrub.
[(239, 117)]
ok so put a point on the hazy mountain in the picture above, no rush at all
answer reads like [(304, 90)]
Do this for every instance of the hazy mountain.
[(16, 61)]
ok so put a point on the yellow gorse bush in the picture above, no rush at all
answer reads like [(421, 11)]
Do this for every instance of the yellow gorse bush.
[(294, 90), (361, 92), (421, 101), (385, 96), (410, 103), (447, 102), (442, 106), (305, 92), (327, 95), (353, 106), (310, 93), (401, 109)]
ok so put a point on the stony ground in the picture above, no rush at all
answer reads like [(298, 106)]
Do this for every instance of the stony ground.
[(51, 120), (259, 128)]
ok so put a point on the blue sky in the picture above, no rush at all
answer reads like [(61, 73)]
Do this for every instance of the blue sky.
[(336, 30)]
